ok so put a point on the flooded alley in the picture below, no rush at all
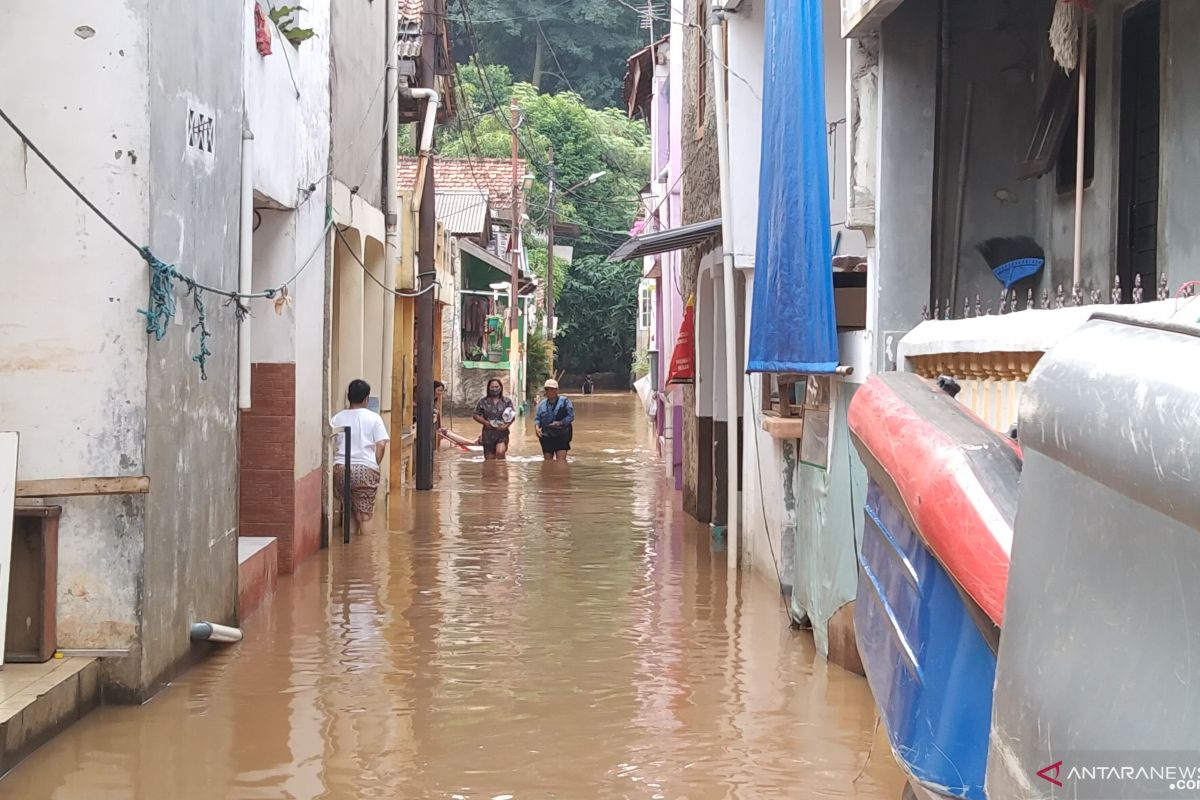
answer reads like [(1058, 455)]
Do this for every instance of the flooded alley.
[(526, 630)]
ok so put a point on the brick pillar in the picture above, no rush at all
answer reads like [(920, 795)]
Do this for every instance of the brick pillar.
[(268, 460)]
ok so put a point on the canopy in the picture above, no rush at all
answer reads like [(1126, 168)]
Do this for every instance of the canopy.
[(653, 243), (793, 327)]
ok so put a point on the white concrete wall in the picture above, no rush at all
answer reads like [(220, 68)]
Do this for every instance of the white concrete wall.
[(745, 126), (289, 114), (73, 348)]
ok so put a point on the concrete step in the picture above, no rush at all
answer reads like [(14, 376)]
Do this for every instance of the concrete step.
[(258, 572), (39, 700)]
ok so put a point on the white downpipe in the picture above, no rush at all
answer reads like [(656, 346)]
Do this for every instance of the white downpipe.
[(212, 632), (425, 152), (716, 36), (245, 264), (391, 194)]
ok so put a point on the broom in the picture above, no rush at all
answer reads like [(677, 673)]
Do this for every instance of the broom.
[(1012, 259)]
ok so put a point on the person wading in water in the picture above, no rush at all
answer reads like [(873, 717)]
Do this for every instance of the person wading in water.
[(496, 414), (554, 420), (368, 442)]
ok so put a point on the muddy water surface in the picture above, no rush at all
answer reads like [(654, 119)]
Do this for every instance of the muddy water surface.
[(527, 630)]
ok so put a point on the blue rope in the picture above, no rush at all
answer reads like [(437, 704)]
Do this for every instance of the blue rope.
[(162, 306)]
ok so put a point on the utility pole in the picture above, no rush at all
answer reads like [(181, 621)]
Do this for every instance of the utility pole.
[(427, 233), (514, 343), (550, 258)]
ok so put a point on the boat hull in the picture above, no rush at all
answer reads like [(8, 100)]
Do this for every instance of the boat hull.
[(929, 666), (933, 567)]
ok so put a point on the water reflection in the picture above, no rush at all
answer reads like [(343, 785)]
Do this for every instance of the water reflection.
[(529, 629)]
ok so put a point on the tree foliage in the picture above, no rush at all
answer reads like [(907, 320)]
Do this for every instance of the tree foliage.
[(585, 141), (597, 301), (598, 316), (556, 45)]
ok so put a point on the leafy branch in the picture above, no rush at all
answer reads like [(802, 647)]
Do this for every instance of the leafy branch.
[(285, 20)]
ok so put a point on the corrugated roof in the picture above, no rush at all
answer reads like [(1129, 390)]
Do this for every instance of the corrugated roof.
[(491, 175), (463, 212), (648, 244)]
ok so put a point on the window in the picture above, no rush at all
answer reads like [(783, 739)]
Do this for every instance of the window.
[(646, 309), (1064, 178), (1056, 117)]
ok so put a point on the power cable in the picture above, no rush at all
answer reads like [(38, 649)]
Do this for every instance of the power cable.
[(425, 290)]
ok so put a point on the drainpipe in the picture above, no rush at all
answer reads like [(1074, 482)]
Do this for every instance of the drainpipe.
[(245, 265), (425, 151), (715, 38), (212, 632), (391, 199)]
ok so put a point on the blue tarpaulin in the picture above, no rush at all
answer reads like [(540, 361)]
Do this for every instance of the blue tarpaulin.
[(793, 327)]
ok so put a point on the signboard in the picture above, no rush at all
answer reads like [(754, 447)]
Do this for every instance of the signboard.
[(8, 492), (683, 360)]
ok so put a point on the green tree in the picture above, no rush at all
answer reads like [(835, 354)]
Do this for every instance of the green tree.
[(597, 300), (556, 45), (598, 315)]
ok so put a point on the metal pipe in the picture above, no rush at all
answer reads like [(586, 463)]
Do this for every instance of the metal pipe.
[(245, 265), (1080, 144), (346, 505), (212, 632), (391, 200), (716, 36), (425, 151)]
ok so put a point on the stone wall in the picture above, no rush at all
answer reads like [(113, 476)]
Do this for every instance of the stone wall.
[(701, 201)]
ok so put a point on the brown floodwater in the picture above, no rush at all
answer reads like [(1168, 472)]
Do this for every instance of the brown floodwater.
[(526, 630)]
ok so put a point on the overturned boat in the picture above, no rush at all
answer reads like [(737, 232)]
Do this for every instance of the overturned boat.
[(933, 569)]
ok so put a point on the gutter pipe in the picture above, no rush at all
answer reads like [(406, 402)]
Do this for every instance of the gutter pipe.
[(245, 265), (425, 153), (212, 632)]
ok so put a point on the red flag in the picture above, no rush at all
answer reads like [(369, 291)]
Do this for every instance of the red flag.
[(683, 360)]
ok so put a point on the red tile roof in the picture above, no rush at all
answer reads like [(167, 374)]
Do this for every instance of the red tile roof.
[(491, 175)]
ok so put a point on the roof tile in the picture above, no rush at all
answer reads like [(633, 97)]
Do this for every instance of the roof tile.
[(491, 175)]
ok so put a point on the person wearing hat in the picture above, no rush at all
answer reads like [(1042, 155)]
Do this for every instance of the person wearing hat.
[(553, 422)]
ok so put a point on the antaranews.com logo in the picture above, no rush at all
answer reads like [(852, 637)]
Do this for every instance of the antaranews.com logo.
[(1124, 775)]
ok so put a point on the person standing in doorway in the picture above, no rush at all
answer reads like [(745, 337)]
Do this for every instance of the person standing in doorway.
[(496, 414), (368, 442), (554, 422)]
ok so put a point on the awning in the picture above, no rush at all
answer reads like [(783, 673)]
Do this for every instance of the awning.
[(793, 326), (648, 244), (494, 261)]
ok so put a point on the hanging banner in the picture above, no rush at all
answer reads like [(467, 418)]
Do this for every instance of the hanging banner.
[(683, 360)]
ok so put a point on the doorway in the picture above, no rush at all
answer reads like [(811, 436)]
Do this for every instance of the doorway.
[(1137, 246)]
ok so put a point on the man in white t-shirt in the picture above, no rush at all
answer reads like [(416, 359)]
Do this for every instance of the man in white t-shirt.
[(368, 442)]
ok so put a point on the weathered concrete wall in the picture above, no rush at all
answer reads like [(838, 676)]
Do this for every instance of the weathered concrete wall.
[(190, 567), (72, 346), (1179, 235), (993, 57), (898, 280), (359, 58)]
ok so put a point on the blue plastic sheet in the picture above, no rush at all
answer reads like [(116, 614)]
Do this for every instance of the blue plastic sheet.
[(793, 327)]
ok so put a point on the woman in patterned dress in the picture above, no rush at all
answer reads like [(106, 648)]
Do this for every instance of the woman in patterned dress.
[(496, 414)]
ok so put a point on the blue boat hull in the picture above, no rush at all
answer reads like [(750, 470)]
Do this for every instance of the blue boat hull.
[(927, 661)]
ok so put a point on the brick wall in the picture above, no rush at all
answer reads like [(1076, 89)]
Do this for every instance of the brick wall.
[(267, 501)]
